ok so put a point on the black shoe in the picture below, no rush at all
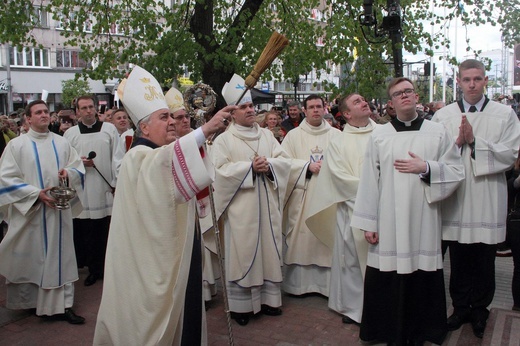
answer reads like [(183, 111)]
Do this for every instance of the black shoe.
[(72, 318), (478, 328), (348, 320), (241, 318), (455, 321), (91, 279), (270, 311)]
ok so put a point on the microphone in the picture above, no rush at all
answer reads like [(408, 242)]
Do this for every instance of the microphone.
[(92, 155)]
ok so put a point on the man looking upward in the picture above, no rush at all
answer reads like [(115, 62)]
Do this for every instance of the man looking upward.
[(410, 165)]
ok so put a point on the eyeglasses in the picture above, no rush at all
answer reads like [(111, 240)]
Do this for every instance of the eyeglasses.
[(181, 117), (406, 92)]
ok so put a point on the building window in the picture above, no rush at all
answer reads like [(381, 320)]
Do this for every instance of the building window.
[(39, 17), (63, 20), (87, 26), (66, 58), (29, 57)]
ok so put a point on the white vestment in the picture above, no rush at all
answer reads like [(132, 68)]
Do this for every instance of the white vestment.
[(251, 205), (97, 195), (401, 207), (37, 254), (150, 245), (307, 259), (338, 183), (477, 212)]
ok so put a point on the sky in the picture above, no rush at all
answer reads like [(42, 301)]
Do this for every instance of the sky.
[(483, 37)]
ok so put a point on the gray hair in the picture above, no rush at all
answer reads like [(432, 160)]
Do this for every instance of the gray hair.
[(293, 104), (138, 132)]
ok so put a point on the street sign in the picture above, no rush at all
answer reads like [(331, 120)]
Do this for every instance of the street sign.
[(3, 86)]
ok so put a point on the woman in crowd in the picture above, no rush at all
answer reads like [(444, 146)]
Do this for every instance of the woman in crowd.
[(272, 123)]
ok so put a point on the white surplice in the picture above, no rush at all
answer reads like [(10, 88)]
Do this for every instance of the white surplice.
[(307, 259), (150, 245), (106, 143), (37, 254), (477, 212), (251, 206), (334, 200), (401, 207)]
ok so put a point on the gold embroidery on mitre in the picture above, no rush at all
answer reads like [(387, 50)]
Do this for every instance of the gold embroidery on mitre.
[(153, 94), (145, 80)]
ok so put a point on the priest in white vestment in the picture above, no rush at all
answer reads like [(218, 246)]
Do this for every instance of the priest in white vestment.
[(252, 171), (411, 164), (334, 200), (307, 259), (91, 226), (37, 254), (474, 219), (152, 292), (210, 270)]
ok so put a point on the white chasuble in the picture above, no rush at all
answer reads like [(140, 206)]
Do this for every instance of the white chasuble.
[(476, 213), (251, 204), (150, 244), (38, 247), (334, 200), (401, 207), (305, 144)]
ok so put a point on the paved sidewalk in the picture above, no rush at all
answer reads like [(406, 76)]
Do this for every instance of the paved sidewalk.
[(305, 321)]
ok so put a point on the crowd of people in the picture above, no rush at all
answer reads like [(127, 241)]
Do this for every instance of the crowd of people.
[(339, 200)]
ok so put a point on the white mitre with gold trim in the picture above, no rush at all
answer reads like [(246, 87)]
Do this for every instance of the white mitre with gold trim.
[(233, 89), (175, 100), (141, 94)]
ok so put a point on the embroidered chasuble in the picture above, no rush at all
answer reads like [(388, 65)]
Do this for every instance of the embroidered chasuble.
[(497, 137), (308, 259), (149, 252), (305, 144)]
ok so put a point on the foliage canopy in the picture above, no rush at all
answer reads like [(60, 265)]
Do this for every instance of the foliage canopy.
[(212, 39)]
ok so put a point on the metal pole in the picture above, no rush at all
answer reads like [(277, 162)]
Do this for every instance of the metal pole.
[(395, 35), (221, 264), (455, 68), (444, 56), (432, 77), (9, 85)]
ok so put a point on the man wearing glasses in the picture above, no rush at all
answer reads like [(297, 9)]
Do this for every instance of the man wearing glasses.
[(181, 119), (410, 165)]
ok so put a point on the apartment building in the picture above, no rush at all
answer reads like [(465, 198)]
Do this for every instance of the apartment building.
[(31, 71), (34, 70)]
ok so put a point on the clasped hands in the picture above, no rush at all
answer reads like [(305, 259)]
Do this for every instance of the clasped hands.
[(465, 133), (260, 164)]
